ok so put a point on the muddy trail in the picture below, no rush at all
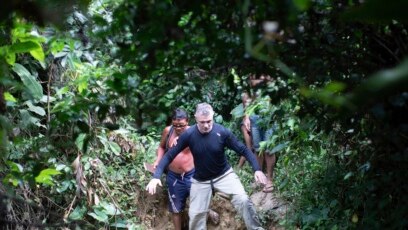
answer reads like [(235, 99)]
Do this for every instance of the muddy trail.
[(153, 211)]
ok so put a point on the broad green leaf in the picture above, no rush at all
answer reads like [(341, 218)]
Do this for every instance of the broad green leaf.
[(63, 91), (64, 186), (32, 85), (60, 167), (82, 85), (15, 167), (9, 97), (291, 123), (99, 215), (60, 106), (279, 147), (11, 178), (78, 213), (11, 58), (27, 119), (115, 148), (57, 46), (110, 209), (38, 54), (80, 141), (24, 47), (45, 176), (238, 112), (46, 98), (61, 54), (36, 109)]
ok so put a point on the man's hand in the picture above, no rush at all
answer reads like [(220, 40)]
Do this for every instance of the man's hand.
[(260, 177), (247, 123), (151, 187)]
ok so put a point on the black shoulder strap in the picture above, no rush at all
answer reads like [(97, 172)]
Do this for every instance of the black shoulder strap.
[(168, 137)]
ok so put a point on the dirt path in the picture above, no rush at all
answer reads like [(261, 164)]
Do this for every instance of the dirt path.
[(152, 211)]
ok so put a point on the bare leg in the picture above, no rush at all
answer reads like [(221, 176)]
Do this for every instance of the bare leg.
[(260, 158), (270, 160), (241, 162), (177, 218), (248, 143)]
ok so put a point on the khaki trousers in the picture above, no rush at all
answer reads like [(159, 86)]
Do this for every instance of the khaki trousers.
[(228, 183)]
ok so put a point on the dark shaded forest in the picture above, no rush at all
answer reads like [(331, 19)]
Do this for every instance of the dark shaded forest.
[(87, 86)]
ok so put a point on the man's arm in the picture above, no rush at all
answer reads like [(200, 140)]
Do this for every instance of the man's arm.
[(239, 147), (165, 161)]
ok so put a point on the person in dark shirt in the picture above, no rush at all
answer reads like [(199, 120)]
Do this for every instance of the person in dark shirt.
[(207, 142)]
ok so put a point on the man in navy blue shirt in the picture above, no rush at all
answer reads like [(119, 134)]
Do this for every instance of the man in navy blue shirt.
[(207, 142)]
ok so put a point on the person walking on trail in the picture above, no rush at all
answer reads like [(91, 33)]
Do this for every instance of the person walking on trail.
[(181, 169), (207, 141), (254, 133)]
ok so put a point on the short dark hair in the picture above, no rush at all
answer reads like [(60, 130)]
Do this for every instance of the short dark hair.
[(179, 114)]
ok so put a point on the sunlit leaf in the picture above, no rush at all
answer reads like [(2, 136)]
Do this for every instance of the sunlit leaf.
[(15, 167), (38, 54), (9, 97), (57, 46), (24, 47), (82, 85), (45, 176), (11, 58)]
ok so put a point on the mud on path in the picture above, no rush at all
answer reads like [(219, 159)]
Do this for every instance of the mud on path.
[(153, 211)]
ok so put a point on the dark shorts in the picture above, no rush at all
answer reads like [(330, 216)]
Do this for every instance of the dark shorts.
[(178, 187), (258, 134)]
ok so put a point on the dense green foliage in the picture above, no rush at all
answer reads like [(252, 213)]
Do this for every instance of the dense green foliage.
[(83, 97)]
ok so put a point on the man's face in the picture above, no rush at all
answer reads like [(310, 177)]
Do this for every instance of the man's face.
[(179, 125), (204, 123)]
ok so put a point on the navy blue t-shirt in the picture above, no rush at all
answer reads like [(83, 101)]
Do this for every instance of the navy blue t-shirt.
[(208, 151)]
